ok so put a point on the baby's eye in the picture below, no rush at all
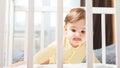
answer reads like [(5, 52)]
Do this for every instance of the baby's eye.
[(73, 30), (83, 31)]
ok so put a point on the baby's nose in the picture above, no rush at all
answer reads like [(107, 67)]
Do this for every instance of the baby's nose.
[(78, 33)]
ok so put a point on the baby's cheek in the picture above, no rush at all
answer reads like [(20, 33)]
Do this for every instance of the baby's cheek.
[(70, 34), (84, 40)]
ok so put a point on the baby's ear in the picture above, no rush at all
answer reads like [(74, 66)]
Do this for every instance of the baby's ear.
[(65, 28)]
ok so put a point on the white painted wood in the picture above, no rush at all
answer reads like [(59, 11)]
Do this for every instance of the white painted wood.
[(100, 10), (2, 30), (103, 39), (26, 35), (11, 32), (30, 34), (96, 10), (42, 37), (6, 33), (89, 36), (117, 31), (81, 65), (59, 34)]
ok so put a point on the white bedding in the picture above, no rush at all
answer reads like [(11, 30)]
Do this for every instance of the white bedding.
[(82, 65)]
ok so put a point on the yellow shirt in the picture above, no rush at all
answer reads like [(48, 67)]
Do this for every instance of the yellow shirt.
[(71, 55)]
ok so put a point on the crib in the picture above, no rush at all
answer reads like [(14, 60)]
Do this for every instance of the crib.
[(59, 36), (70, 66)]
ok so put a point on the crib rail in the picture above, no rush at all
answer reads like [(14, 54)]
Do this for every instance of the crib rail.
[(30, 34), (2, 30), (117, 31), (59, 33), (89, 36)]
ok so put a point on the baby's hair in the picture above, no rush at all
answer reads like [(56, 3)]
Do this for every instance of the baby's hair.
[(74, 15)]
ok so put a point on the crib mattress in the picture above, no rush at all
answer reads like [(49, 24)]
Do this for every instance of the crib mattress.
[(82, 65)]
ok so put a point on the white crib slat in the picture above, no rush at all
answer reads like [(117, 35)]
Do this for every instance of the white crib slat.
[(59, 33), (103, 39), (30, 34), (26, 35), (6, 61), (117, 31), (42, 33), (11, 32), (89, 38), (2, 24), (105, 10)]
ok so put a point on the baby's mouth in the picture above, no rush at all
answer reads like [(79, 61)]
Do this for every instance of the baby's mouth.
[(77, 39)]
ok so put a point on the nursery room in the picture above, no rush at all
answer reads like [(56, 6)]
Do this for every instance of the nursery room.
[(59, 34)]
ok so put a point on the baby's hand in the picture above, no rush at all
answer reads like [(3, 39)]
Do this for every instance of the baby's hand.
[(15, 65)]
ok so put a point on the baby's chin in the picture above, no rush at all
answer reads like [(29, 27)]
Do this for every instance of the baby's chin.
[(76, 45)]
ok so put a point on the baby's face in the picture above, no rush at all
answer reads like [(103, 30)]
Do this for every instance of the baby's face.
[(76, 32)]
